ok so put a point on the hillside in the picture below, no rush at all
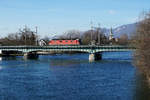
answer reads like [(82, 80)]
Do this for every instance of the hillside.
[(128, 29)]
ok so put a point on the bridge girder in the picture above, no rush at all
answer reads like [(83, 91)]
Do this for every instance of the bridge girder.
[(79, 48)]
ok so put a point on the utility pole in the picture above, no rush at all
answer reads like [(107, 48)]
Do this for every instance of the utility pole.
[(99, 33), (36, 32), (91, 32), (25, 30)]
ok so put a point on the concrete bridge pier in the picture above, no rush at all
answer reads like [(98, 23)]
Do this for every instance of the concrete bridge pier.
[(31, 55), (0, 55), (0, 52), (95, 57)]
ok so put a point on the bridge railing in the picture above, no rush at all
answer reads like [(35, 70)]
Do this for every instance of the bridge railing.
[(68, 46)]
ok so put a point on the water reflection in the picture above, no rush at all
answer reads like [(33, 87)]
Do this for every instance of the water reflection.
[(1, 67), (0, 63), (142, 88), (66, 62), (8, 58)]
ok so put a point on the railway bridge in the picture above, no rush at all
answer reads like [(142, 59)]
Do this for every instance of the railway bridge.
[(95, 52)]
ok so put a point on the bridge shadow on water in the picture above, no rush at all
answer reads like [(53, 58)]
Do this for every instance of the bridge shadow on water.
[(75, 59)]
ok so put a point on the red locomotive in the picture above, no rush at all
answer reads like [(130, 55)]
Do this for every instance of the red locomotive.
[(64, 42)]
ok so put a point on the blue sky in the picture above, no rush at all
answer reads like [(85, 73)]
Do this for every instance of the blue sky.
[(57, 16)]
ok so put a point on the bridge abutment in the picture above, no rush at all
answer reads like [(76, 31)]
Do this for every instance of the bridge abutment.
[(95, 57), (31, 55)]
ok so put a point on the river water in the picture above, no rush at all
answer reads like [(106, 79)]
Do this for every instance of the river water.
[(72, 77)]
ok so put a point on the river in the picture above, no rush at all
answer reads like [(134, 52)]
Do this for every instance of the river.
[(72, 77)]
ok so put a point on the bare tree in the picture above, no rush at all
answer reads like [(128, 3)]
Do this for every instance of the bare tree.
[(123, 40), (97, 36), (71, 34), (142, 43), (23, 37)]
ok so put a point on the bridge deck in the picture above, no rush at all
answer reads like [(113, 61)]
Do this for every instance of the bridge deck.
[(82, 48)]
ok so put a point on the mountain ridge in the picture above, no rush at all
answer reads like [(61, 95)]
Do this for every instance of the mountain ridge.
[(128, 29)]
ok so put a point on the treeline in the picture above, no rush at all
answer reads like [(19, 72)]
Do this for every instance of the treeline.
[(96, 36), (23, 37)]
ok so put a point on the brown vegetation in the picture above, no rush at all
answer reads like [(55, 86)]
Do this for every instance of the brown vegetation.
[(23, 37), (123, 40), (142, 44), (95, 35), (71, 34)]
